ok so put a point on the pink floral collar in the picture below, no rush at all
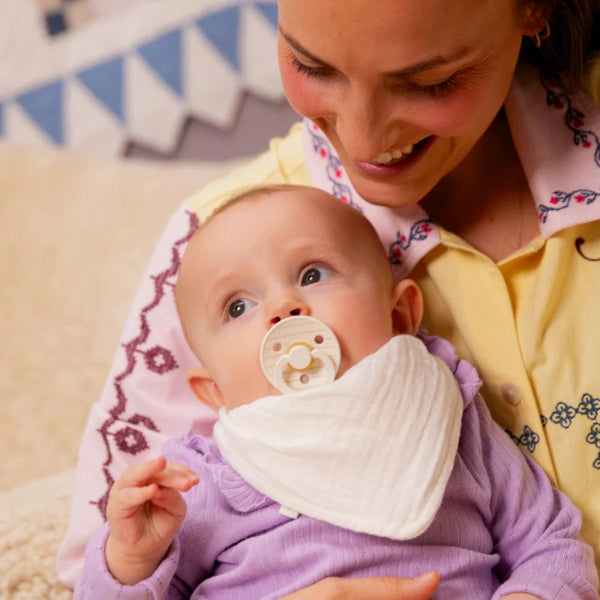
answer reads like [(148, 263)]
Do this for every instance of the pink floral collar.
[(558, 141)]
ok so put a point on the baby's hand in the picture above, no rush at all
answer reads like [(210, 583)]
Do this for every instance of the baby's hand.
[(145, 510)]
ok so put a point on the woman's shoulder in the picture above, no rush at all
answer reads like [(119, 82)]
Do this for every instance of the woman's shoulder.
[(283, 162)]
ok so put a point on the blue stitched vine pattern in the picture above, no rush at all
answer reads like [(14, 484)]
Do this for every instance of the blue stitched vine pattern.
[(561, 200), (418, 232), (574, 118), (333, 166)]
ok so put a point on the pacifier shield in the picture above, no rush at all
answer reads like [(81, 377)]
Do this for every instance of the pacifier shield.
[(298, 353)]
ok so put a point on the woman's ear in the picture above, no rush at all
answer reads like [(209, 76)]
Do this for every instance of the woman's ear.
[(408, 307), (205, 388)]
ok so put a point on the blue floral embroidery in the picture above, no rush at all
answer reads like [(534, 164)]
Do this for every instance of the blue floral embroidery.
[(544, 420), (529, 439), (563, 415), (418, 232), (593, 437), (589, 406)]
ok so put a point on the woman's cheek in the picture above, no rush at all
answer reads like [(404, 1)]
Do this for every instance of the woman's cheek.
[(305, 96)]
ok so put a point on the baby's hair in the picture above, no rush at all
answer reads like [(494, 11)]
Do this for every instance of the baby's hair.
[(260, 191)]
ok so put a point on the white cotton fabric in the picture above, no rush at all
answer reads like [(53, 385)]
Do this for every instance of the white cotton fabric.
[(371, 452)]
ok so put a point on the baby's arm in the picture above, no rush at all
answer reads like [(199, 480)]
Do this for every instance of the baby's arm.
[(145, 510)]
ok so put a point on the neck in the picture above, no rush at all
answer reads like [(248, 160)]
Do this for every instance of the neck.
[(486, 200)]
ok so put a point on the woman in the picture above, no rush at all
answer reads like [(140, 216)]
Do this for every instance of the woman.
[(484, 180)]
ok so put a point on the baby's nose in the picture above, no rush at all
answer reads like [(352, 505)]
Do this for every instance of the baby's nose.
[(284, 313)]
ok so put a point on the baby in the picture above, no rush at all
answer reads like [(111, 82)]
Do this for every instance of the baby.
[(391, 464)]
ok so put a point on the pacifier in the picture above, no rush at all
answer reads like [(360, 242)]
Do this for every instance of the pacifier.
[(298, 353)]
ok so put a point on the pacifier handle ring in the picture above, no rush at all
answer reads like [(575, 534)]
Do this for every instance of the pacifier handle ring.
[(327, 361)]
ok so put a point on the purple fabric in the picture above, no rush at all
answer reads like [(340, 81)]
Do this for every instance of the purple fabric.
[(502, 528)]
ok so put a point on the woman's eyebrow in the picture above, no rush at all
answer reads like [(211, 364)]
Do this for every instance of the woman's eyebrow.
[(299, 48), (420, 67)]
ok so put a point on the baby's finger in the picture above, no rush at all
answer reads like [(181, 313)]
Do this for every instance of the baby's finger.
[(124, 502), (171, 501), (176, 476), (142, 473)]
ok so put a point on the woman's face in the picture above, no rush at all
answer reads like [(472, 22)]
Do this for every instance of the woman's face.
[(402, 88)]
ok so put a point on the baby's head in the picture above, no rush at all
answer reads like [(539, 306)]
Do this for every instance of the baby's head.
[(279, 251)]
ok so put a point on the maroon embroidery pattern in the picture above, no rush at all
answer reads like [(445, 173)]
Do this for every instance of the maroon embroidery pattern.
[(157, 359)]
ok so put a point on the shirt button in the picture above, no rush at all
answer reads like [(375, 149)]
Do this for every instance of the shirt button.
[(511, 393)]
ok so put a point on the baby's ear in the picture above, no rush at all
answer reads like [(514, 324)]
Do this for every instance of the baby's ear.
[(408, 307), (205, 388)]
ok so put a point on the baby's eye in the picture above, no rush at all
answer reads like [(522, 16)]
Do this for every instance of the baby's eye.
[(314, 275), (238, 307)]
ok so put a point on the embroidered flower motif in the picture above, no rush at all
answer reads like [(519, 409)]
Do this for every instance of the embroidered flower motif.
[(143, 420), (160, 360), (589, 406), (596, 463), (418, 232), (563, 415), (574, 118), (593, 437), (561, 200), (544, 420), (333, 166), (130, 440), (529, 439)]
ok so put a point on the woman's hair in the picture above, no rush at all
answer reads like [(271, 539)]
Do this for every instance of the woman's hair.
[(574, 37)]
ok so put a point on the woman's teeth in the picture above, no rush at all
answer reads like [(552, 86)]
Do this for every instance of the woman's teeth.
[(388, 157)]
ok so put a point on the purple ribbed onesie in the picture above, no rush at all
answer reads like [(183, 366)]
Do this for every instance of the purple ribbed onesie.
[(501, 528)]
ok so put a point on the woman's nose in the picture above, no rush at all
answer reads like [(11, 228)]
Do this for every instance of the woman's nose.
[(286, 307), (366, 127)]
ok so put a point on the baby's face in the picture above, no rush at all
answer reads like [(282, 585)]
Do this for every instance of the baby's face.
[(273, 256)]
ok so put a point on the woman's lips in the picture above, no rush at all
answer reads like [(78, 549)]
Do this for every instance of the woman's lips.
[(398, 166)]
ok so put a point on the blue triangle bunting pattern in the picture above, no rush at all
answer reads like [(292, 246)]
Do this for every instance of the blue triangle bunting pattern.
[(268, 10), (105, 82), (164, 56), (222, 30), (45, 106)]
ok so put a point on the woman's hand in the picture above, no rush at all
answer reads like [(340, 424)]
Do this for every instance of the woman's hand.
[(371, 588), (145, 510)]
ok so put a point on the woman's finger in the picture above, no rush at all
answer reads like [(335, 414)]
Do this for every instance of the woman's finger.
[(371, 588)]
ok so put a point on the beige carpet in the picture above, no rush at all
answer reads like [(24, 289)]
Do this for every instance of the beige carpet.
[(75, 235)]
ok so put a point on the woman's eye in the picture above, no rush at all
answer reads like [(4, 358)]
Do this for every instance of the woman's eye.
[(238, 307), (314, 275), (309, 71)]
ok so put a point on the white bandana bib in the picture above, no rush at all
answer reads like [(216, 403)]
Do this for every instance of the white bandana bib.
[(371, 452)]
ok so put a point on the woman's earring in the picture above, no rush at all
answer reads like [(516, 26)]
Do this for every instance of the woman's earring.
[(543, 34)]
